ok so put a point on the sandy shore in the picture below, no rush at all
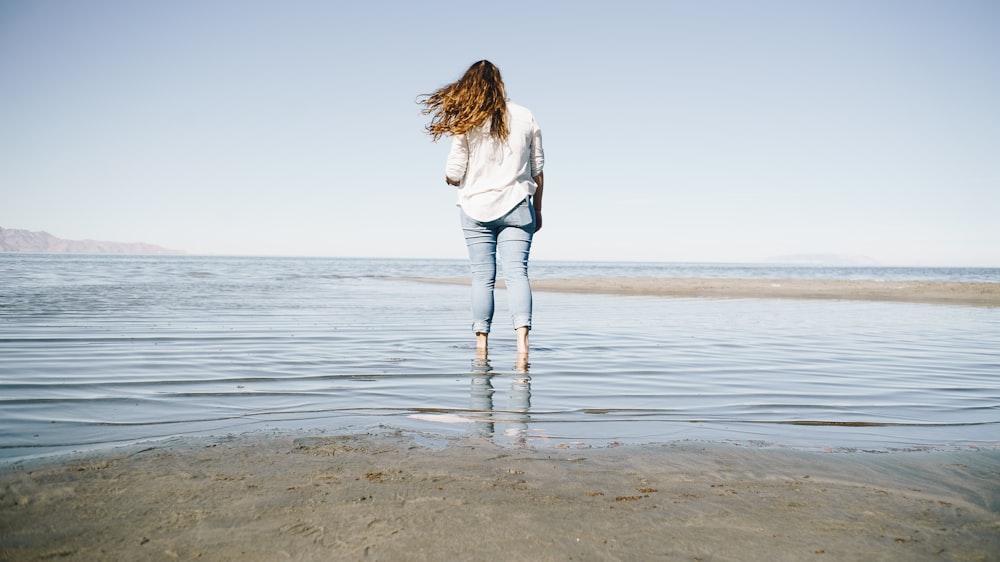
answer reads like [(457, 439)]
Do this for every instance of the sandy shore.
[(394, 497), (976, 294)]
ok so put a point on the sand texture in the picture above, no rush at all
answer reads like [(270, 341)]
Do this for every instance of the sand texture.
[(938, 292), (389, 497)]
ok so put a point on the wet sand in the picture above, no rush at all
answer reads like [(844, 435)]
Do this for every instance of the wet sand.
[(936, 292), (392, 496)]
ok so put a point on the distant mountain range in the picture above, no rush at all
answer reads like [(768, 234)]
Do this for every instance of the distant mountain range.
[(16, 240)]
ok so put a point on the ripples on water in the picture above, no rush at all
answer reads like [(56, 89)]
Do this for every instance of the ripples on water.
[(101, 350)]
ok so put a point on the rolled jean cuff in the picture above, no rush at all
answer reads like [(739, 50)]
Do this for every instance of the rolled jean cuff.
[(521, 321), (481, 327)]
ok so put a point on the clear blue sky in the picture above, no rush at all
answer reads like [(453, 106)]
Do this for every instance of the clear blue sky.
[(674, 131)]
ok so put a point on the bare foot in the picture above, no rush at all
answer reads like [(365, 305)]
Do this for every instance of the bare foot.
[(482, 343), (481, 364), (522, 341), (521, 366)]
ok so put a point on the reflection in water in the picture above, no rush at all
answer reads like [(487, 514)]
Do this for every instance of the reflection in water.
[(481, 396), (484, 412)]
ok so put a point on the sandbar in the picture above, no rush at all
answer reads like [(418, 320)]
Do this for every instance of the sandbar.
[(930, 292), (391, 496)]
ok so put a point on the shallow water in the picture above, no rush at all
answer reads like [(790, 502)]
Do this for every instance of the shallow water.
[(103, 350)]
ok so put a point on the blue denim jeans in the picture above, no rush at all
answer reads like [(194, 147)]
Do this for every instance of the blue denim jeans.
[(510, 237)]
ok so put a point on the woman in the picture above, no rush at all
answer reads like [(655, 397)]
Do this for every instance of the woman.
[(496, 163)]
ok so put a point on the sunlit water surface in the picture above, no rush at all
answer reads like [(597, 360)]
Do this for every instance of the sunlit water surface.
[(97, 351)]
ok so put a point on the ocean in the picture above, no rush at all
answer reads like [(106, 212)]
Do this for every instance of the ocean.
[(98, 351)]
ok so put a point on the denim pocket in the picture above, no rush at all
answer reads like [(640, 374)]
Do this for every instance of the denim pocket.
[(521, 216)]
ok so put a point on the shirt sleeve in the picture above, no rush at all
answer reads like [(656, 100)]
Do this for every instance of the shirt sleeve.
[(537, 153), (458, 159)]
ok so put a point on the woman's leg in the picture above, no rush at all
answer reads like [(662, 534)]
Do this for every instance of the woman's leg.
[(514, 244), (482, 244), (522, 342)]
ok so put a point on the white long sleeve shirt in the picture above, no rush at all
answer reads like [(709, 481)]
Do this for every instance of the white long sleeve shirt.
[(495, 176)]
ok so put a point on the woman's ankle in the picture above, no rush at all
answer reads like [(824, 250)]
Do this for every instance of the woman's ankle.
[(522, 340)]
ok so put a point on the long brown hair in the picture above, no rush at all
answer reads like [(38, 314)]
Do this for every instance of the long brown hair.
[(477, 98)]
